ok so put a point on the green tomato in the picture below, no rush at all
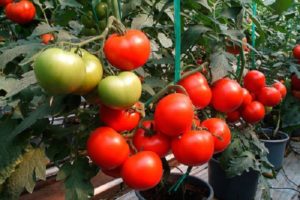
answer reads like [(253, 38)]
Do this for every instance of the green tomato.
[(102, 24), (93, 69), (120, 92), (59, 71), (87, 21), (88, 31), (101, 10)]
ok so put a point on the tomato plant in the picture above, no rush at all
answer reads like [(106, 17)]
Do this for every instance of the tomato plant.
[(254, 81), (295, 81), (21, 12), (247, 98)]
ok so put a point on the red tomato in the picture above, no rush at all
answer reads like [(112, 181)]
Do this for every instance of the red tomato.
[(116, 173), (198, 89), (157, 142), (220, 131), (174, 114), (120, 120), (128, 51), (227, 95), (296, 94), (253, 112), (235, 49), (5, 2), (196, 121), (142, 171), (199, 61), (269, 96), (295, 82), (46, 38), (247, 98), (21, 12), (107, 148), (254, 81), (281, 88), (233, 116), (296, 51), (194, 147)]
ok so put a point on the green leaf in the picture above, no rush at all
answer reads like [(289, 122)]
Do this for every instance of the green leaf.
[(243, 163), (231, 12), (77, 177), (282, 5), (69, 3), (164, 40), (42, 29), (220, 65), (204, 4), (141, 21), (31, 169)]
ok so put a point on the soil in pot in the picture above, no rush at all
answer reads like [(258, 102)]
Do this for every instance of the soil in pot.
[(192, 188)]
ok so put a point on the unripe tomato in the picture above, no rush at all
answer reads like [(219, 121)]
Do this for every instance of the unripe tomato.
[(142, 171), (220, 131), (21, 12), (247, 98), (233, 116), (198, 89), (59, 71), (156, 142), (107, 148), (295, 81), (227, 95), (5, 2), (193, 147), (281, 88), (254, 81), (269, 96), (296, 51), (120, 92), (46, 38), (119, 120), (253, 112), (174, 114), (101, 10), (128, 51)]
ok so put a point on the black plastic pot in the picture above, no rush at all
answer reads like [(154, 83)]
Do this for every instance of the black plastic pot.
[(276, 147), (194, 187), (237, 188)]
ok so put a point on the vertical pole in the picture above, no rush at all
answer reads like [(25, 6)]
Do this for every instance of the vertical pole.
[(177, 39), (253, 37)]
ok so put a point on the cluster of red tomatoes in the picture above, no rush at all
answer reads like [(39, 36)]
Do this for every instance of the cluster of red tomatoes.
[(254, 98), (21, 12), (295, 81)]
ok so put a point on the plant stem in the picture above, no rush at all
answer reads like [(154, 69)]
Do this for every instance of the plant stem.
[(277, 125), (242, 54), (115, 6), (44, 14)]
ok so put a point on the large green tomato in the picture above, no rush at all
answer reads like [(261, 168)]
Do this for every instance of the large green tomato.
[(59, 71), (93, 69), (120, 91)]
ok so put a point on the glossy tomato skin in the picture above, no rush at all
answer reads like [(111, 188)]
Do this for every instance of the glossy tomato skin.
[(253, 112), (247, 98), (47, 38), (174, 114), (21, 12), (220, 131), (119, 120), (281, 88), (296, 51), (142, 171), (129, 51), (120, 92), (107, 148), (254, 81), (59, 71), (194, 147), (198, 89), (269, 96), (295, 81), (5, 2), (233, 116), (157, 143), (227, 95)]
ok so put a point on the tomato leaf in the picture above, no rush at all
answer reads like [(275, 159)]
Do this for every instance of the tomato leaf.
[(220, 65), (282, 5), (42, 29), (69, 3), (141, 21), (77, 177), (164, 40)]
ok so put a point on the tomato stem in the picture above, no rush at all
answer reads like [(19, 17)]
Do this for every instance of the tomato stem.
[(116, 11), (242, 55)]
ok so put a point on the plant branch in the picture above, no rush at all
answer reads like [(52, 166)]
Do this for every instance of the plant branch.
[(243, 62), (116, 10)]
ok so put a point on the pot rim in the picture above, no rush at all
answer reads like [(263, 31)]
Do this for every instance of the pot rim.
[(287, 137)]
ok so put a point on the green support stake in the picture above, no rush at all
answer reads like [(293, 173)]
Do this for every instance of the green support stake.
[(253, 37), (177, 39)]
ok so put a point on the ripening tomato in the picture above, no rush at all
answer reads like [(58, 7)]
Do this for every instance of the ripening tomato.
[(269, 96), (174, 114), (194, 147), (5, 2), (21, 12), (220, 131), (107, 148), (295, 82), (155, 142), (233, 116), (254, 81), (46, 38), (198, 89), (116, 173), (253, 112), (296, 51), (128, 51), (142, 171), (119, 120), (227, 95), (247, 98), (281, 88), (235, 49), (296, 94)]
